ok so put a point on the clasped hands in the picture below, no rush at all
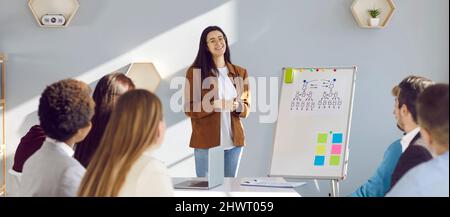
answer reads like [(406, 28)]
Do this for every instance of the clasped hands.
[(225, 105)]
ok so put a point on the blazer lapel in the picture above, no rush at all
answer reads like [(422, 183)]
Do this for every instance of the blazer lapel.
[(231, 73)]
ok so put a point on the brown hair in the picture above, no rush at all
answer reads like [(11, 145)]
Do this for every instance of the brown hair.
[(432, 108), (65, 107), (132, 128), (109, 88), (408, 90)]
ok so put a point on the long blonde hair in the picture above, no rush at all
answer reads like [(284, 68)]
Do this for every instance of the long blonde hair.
[(132, 128)]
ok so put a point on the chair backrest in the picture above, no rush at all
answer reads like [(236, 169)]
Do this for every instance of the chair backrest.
[(13, 188)]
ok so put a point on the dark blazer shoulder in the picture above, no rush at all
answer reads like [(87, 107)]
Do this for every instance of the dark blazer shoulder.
[(418, 153), (413, 156)]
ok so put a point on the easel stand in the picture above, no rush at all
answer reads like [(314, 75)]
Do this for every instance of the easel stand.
[(334, 188)]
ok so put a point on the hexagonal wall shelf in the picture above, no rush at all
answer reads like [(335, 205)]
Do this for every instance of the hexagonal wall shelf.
[(144, 76), (67, 8), (360, 12)]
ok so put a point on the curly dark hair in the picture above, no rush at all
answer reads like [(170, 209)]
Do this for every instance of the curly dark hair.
[(65, 107)]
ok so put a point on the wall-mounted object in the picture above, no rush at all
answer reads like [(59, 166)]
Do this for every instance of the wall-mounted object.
[(2, 126), (53, 13), (144, 76), (363, 10), (53, 20)]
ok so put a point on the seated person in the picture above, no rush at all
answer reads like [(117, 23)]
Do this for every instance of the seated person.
[(380, 182), (106, 93), (65, 112), (28, 145), (123, 164), (109, 88), (430, 179), (414, 149)]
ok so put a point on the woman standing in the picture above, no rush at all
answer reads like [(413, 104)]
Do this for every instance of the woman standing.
[(217, 96)]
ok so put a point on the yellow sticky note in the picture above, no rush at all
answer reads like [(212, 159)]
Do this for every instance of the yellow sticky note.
[(289, 75), (321, 150)]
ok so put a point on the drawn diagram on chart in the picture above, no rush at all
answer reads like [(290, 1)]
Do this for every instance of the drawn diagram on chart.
[(320, 95)]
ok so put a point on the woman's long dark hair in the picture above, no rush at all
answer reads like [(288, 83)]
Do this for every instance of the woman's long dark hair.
[(106, 94), (204, 60)]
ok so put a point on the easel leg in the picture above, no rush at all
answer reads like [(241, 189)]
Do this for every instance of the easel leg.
[(334, 188)]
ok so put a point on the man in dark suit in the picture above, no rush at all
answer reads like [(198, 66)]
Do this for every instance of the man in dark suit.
[(415, 154), (414, 150)]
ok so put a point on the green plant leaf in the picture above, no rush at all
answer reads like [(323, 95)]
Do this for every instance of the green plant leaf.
[(374, 13)]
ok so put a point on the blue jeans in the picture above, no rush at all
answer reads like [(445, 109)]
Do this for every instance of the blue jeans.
[(232, 159)]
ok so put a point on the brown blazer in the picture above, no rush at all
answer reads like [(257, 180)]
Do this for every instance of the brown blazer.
[(205, 120)]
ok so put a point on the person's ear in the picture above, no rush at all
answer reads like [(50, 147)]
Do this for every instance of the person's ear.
[(161, 131), (404, 110), (83, 132)]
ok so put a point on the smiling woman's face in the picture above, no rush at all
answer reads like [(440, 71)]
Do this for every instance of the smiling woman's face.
[(216, 43)]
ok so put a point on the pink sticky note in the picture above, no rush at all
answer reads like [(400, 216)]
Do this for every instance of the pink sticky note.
[(336, 149)]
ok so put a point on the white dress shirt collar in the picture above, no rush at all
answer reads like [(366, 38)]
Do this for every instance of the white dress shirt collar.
[(406, 139), (66, 148)]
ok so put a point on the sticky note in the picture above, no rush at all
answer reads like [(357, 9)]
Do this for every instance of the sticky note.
[(337, 138), (289, 75), (319, 161), (321, 150), (335, 160), (322, 138), (336, 149)]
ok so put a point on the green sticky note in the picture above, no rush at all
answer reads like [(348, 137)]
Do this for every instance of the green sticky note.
[(321, 150), (322, 138), (289, 75), (334, 160)]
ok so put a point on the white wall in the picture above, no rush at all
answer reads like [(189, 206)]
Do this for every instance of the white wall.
[(264, 36)]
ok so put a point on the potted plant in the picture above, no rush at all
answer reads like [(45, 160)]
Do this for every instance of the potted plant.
[(374, 20)]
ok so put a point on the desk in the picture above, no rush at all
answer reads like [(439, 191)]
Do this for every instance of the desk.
[(232, 188)]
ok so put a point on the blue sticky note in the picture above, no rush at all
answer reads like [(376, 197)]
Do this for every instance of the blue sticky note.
[(337, 138), (319, 161)]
